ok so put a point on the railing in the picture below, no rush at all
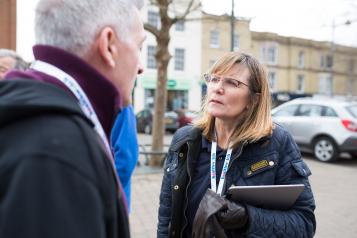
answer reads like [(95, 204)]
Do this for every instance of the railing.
[(145, 150)]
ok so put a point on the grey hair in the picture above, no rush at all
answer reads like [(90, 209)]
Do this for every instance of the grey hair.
[(73, 24), (19, 62)]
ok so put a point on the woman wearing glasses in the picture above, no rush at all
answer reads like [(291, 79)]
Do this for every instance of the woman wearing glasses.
[(234, 143)]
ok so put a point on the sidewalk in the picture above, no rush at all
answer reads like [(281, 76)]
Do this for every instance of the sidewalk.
[(146, 184), (333, 184)]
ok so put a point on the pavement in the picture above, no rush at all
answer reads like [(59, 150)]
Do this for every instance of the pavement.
[(334, 186)]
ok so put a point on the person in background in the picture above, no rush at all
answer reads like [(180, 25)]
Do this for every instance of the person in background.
[(126, 149), (234, 143), (9, 59), (57, 176)]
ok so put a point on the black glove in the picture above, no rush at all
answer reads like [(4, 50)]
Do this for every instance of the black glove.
[(233, 217)]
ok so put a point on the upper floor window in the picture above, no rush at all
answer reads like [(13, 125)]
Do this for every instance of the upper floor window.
[(351, 66), (154, 19), (269, 53), (326, 61), (301, 59), (179, 59), (180, 25), (151, 61), (272, 55), (214, 38)]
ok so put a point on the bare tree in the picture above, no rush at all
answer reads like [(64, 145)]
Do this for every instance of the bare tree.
[(169, 14)]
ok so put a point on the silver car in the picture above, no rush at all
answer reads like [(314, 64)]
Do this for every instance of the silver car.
[(325, 126)]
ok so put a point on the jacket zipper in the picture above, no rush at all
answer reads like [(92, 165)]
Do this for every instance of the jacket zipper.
[(236, 157), (186, 197)]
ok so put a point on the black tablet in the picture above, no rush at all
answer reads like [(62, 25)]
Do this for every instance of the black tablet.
[(280, 197)]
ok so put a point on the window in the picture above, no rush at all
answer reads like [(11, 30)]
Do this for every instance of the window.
[(235, 41), (287, 111), (151, 61), (329, 112), (301, 60), (269, 53), (180, 25), (309, 111), (214, 38), (272, 81), (300, 83), (351, 66), (153, 19), (326, 61), (325, 85), (272, 55), (179, 59), (329, 61)]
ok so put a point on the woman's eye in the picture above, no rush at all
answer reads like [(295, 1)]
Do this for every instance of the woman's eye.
[(232, 82), (214, 79)]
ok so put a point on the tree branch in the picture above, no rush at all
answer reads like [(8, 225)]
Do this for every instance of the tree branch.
[(153, 30), (190, 8)]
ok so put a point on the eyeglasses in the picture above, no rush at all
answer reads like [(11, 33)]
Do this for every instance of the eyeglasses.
[(228, 82)]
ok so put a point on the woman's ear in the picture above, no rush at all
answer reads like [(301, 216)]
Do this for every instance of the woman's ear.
[(107, 47)]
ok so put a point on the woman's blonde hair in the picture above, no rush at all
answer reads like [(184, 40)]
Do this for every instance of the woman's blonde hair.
[(256, 121)]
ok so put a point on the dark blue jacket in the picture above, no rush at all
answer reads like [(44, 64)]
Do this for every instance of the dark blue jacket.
[(285, 167)]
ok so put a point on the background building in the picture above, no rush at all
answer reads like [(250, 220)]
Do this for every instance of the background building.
[(305, 66), (184, 70), (8, 24)]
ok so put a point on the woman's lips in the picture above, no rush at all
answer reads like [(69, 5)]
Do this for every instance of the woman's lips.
[(215, 101)]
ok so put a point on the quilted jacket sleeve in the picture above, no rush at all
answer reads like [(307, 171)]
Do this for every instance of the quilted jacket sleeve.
[(299, 221), (165, 200)]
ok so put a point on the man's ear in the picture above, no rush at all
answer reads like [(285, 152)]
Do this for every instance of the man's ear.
[(107, 47)]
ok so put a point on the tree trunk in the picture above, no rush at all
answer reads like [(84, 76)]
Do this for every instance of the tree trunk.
[(162, 58)]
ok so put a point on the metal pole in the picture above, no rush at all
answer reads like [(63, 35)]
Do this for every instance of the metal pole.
[(332, 51), (232, 26)]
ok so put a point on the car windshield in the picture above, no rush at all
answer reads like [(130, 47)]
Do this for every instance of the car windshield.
[(352, 110)]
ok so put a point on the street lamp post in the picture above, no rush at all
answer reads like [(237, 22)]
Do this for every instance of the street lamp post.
[(332, 52), (232, 26)]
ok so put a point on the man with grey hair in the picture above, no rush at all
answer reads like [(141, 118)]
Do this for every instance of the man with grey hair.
[(9, 59), (57, 177)]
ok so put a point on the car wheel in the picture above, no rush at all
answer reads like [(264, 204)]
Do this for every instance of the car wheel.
[(353, 154), (325, 149), (147, 129)]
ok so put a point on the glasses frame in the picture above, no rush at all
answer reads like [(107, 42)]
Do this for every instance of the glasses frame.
[(207, 75)]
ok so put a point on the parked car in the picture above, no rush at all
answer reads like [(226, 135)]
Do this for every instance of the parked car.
[(327, 127), (186, 117), (144, 120)]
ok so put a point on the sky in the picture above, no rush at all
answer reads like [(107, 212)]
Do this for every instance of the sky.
[(310, 19)]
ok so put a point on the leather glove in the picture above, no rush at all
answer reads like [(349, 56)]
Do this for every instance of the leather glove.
[(235, 216)]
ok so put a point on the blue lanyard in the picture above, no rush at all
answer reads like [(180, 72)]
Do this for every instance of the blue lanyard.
[(213, 169), (76, 89)]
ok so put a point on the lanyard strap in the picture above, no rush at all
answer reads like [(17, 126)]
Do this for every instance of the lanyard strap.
[(76, 89), (213, 169)]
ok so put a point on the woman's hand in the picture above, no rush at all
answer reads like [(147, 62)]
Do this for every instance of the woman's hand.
[(233, 217)]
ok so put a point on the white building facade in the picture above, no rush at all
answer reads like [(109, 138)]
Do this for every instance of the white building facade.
[(184, 70)]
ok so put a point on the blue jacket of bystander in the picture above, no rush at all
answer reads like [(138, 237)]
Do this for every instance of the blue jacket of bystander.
[(125, 145)]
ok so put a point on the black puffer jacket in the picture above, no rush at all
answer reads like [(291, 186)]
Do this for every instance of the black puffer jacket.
[(55, 178), (284, 166)]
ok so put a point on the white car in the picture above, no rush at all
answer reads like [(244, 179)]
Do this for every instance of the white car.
[(326, 126)]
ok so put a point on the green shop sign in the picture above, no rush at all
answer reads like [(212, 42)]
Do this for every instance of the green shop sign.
[(172, 84)]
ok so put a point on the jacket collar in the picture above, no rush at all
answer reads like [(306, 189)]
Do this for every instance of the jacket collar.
[(100, 91)]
